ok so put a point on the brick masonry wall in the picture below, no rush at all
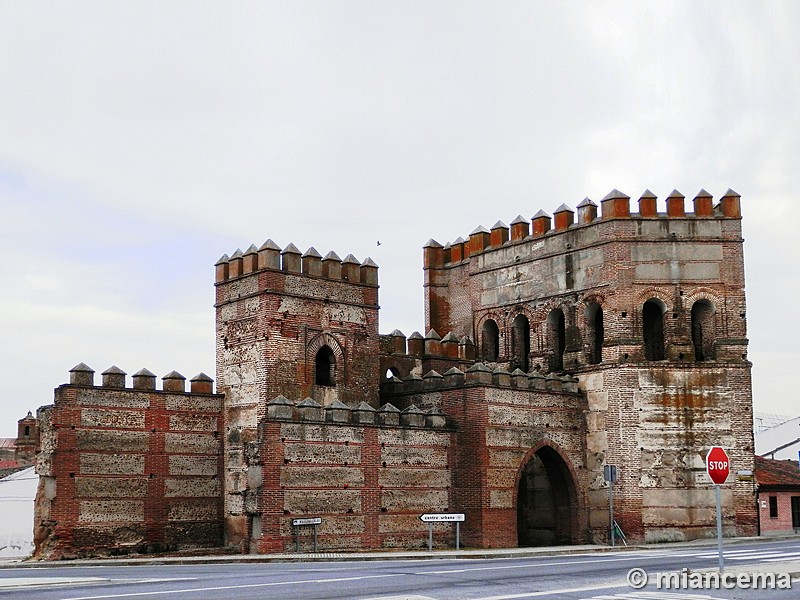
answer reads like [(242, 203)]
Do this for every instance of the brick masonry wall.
[(368, 483), (125, 470), (782, 524)]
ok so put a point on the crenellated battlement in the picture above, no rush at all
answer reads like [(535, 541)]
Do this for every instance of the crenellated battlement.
[(432, 345), (270, 257), (143, 380), (615, 205), (479, 374), (338, 413)]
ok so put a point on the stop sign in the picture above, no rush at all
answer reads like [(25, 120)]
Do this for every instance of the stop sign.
[(718, 465)]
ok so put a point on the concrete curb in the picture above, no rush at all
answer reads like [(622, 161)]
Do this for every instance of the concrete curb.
[(373, 556)]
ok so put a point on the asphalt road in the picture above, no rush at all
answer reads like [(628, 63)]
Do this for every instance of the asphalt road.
[(597, 576)]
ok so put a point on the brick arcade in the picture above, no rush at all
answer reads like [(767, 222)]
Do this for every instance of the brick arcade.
[(590, 338)]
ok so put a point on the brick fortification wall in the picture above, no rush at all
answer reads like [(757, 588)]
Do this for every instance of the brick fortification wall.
[(569, 344), (368, 474), (128, 469), (655, 404)]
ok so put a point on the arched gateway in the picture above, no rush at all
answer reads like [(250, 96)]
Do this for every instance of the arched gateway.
[(547, 501)]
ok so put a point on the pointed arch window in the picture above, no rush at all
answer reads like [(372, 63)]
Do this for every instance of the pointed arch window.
[(557, 334), (521, 342), (595, 332), (325, 367), (703, 330), (490, 340), (653, 330)]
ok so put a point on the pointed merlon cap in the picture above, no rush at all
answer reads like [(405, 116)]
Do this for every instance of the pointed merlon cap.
[(269, 245), (454, 371), (368, 262), (586, 202), (479, 368), (290, 249), (81, 374), (450, 337), (731, 204), (337, 405), (432, 243), (114, 377), (174, 382), (563, 208), (389, 408), (332, 256), (114, 370), (144, 380), (251, 250), (309, 403), (415, 336), (237, 254), (615, 194), (702, 194), (312, 253), (223, 260), (648, 194), (541, 214), (201, 384), (519, 219), (432, 335), (364, 407), (479, 229), (675, 194), (173, 375), (499, 225), (351, 260), (281, 400), (397, 333)]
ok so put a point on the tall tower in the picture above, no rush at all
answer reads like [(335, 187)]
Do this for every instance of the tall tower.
[(291, 324), (647, 309)]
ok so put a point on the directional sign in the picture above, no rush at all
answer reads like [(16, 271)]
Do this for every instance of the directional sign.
[(718, 465), (442, 518), (310, 521)]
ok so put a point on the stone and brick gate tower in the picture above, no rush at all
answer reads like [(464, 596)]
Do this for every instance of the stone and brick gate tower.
[(648, 311), (290, 325)]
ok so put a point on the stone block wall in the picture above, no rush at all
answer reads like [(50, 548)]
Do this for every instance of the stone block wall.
[(129, 469)]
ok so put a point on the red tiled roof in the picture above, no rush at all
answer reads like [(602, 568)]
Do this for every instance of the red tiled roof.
[(777, 473), (8, 442), (9, 464)]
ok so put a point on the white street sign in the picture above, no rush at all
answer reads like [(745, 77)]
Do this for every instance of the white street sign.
[(442, 518), (311, 521)]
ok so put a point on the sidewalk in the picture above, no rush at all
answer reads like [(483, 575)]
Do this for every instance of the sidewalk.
[(441, 554)]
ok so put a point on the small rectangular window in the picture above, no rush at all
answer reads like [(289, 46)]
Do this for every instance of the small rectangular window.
[(773, 507), (796, 512)]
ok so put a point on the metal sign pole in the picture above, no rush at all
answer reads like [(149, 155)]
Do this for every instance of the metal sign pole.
[(430, 536), (315, 537), (458, 535), (296, 538), (719, 528), (611, 509)]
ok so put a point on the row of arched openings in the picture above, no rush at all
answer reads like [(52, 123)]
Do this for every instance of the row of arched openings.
[(702, 332)]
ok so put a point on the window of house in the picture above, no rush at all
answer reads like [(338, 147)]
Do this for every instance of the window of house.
[(653, 330), (796, 512), (325, 367), (773, 507), (27, 431), (490, 340), (521, 342)]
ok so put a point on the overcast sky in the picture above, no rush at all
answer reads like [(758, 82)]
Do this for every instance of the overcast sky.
[(139, 141)]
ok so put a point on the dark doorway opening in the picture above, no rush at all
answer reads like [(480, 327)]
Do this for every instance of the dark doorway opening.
[(546, 505)]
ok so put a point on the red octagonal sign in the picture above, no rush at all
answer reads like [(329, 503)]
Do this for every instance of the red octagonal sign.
[(718, 465)]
